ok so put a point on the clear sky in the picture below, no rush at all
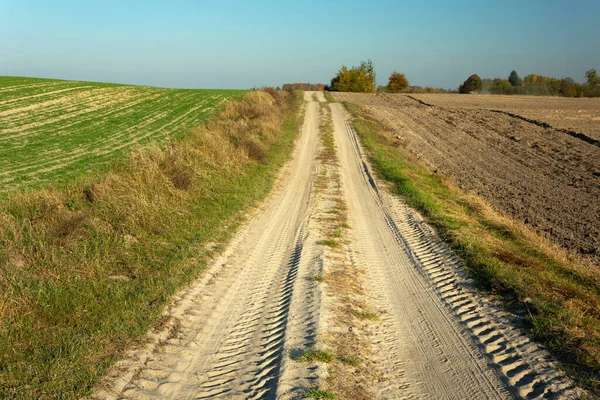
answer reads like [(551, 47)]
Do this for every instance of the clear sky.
[(242, 44)]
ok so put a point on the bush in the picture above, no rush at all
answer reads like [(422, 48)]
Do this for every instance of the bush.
[(397, 82), (355, 79), (472, 84)]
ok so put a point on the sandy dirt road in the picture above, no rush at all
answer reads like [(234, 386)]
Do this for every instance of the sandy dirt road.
[(235, 332)]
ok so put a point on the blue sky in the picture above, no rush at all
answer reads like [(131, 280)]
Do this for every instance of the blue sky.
[(242, 44)]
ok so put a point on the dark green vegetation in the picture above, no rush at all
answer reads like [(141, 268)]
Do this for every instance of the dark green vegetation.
[(86, 268), (53, 130), (557, 296)]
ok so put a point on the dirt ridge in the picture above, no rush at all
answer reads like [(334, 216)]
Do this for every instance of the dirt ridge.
[(570, 132), (576, 135), (542, 177)]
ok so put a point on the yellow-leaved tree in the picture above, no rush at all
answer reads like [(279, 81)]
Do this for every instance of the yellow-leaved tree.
[(397, 82), (355, 79)]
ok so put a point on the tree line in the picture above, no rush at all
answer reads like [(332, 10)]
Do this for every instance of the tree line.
[(315, 87), (534, 84), (362, 78)]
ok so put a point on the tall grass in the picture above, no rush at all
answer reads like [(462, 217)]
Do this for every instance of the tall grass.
[(557, 295), (86, 269)]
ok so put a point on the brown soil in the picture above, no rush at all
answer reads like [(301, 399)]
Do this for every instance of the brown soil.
[(580, 115), (544, 177)]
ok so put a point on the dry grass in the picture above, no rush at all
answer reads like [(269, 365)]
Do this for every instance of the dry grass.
[(85, 269), (352, 371)]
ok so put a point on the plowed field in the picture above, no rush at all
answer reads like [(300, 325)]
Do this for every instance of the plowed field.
[(53, 130), (580, 115), (542, 176)]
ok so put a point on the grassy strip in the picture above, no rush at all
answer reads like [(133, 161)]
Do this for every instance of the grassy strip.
[(329, 97), (85, 270), (557, 295), (351, 370)]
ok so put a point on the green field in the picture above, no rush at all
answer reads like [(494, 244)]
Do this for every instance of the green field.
[(54, 130)]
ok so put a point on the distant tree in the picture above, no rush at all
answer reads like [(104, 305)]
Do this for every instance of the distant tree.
[(397, 82), (501, 86), (473, 83), (593, 84), (530, 80), (570, 88), (355, 79), (515, 79), (593, 80)]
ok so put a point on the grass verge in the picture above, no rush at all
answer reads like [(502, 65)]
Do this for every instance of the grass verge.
[(557, 296), (329, 97), (86, 269)]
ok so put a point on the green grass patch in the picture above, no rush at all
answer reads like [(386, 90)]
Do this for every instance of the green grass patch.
[(318, 394), (318, 278), (315, 355), (86, 269), (75, 128), (366, 314), (502, 255), (330, 243)]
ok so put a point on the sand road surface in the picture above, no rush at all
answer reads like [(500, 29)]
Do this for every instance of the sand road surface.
[(235, 332)]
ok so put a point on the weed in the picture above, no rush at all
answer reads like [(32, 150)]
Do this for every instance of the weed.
[(318, 278), (330, 243), (365, 314), (351, 360), (315, 355), (318, 394)]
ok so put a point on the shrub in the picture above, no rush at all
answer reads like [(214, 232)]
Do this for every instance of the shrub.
[(397, 82), (472, 84), (355, 79)]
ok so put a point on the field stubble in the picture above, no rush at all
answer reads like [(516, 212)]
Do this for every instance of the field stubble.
[(581, 115)]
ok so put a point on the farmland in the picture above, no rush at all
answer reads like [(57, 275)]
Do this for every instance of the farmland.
[(580, 115), (53, 130), (543, 177), (87, 266)]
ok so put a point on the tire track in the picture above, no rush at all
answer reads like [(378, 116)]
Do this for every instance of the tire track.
[(235, 330), (438, 338)]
